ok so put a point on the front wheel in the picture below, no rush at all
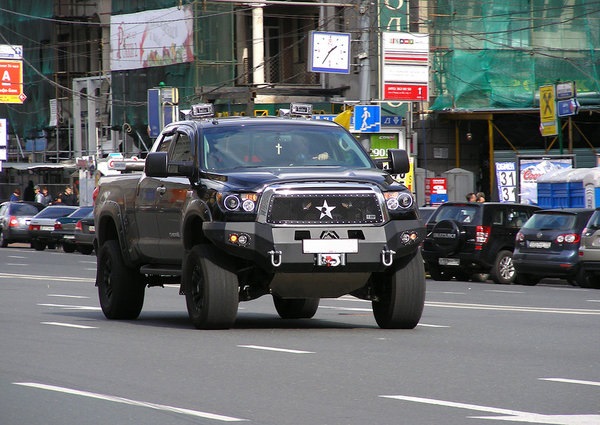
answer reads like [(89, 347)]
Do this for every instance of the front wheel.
[(503, 270), (120, 288), (400, 295), (211, 291), (68, 247), (296, 308), (37, 245)]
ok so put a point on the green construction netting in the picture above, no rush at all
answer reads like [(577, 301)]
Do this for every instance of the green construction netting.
[(494, 54), (20, 24)]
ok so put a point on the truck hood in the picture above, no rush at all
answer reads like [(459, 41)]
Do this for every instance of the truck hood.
[(252, 179)]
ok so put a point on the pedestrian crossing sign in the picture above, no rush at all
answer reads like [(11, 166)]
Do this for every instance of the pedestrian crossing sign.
[(367, 118)]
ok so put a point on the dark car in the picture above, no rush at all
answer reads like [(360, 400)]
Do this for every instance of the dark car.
[(588, 275), (548, 245), (41, 225), (471, 240), (85, 235), (14, 221), (64, 227)]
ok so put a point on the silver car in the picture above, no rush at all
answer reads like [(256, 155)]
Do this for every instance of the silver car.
[(14, 221), (589, 253)]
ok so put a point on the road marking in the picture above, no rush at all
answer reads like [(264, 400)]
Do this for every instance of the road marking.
[(70, 307), (68, 296), (130, 402), (17, 264), (514, 308), (572, 381), (17, 256), (282, 350), (38, 277), (503, 291), (432, 326), (69, 325), (507, 414), (87, 262)]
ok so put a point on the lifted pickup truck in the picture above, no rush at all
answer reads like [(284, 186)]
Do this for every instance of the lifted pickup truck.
[(236, 208)]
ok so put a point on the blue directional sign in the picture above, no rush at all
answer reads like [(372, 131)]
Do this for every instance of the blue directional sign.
[(367, 118), (391, 121)]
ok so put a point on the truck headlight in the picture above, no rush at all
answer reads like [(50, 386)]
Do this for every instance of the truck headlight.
[(245, 202), (398, 200)]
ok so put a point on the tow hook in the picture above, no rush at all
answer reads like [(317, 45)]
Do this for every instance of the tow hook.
[(275, 258), (387, 256)]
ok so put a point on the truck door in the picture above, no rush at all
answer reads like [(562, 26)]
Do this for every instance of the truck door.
[(147, 196), (171, 198)]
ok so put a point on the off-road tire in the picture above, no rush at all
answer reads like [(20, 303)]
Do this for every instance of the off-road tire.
[(503, 271), (120, 288), (211, 291), (296, 308), (400, 295)]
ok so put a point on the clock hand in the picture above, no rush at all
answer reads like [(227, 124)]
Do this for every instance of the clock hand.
[(328, 53)]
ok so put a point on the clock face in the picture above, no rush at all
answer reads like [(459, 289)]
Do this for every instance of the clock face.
[(330, 52)]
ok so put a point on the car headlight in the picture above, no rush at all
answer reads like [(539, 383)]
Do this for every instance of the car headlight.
[(396, 201), (239, 202)]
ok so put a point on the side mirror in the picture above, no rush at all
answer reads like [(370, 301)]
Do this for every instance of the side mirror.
[(156, 164), (398, 161)]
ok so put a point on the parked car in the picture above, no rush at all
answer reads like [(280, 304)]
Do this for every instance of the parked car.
[(64, 228), (41, 225), (588, 275), (14, 221), (470, 240), (548, 245), (85, 235), (425, 213)]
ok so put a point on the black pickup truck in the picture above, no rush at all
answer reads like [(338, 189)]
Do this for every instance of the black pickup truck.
[(236, 208)]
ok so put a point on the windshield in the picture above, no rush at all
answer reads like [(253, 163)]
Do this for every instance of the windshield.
[(291, 145)]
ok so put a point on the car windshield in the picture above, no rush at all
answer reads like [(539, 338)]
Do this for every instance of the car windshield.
[(550, 221), (461, 213), (280, 146), (23, 209)]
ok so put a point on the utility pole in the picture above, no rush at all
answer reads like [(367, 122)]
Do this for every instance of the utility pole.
[(365, 64), (363, 55)]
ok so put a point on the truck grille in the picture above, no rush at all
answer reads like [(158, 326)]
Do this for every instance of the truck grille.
[(324, 208)]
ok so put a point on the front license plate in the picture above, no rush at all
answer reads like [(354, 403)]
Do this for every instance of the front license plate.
[(539, 244), (330, 246), (449, 261), (331, 260), (47, 228)]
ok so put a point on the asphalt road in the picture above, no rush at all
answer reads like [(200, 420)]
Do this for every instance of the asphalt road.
[(483, 353)]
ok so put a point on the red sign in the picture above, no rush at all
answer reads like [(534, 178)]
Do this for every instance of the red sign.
[(408, 92), (11, 81)]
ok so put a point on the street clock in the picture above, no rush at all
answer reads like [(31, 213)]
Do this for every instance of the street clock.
[(329, 52)]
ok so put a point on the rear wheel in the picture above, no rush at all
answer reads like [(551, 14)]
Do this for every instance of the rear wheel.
[(68, 247), (400, 295), (85, 249), (38, 246), (120, 288), (211, 291), (296, 308), (586, 279), (503, 270)]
